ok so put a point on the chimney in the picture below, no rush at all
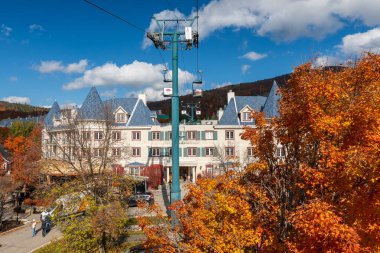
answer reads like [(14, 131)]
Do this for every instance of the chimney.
[(220, 113), (230, 95), (142, 97)]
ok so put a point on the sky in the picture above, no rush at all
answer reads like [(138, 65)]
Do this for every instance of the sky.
[(57, 50)]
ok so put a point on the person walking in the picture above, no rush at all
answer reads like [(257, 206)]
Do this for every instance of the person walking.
[(34, 224)]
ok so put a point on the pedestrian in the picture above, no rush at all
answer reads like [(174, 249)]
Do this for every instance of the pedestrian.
[(34, 224)]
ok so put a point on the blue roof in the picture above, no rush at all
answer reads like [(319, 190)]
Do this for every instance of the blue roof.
[(53, 113), (126, 103), (141, 116), (236, 104), (92, 107), (271, 105)]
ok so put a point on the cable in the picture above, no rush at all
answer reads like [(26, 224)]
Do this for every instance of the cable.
[(115, 16)]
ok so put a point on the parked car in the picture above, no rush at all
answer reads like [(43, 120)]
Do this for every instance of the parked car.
[(147, 197)]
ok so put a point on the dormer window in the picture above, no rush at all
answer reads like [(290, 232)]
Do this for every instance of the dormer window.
[(120, 117), (245, 114)]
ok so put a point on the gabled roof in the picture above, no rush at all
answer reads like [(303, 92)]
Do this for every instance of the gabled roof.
[(141, 116), (236, 104), (126, 103), (271, 105), (54, 112), (92, 107)]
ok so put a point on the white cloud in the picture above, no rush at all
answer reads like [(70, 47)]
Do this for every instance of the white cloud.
[(284, 20), (359, 43), (6, 30), (245, 68), (14, 99), (253, 56), (36, 28), (142, 76), (220, 85), (109, 93), (13, 78), (326, 60), (57, 66)]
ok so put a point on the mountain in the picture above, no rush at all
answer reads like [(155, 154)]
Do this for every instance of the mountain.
[(214, 99), (13, 110)]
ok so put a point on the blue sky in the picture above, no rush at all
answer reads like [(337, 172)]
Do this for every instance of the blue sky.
[(56, 50)]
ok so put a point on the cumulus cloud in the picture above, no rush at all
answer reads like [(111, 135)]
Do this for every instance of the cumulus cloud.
[(245, 68), (36, 28), (6, 30), (283, 20), (358, 43), (326, 60), (253, 56), (14, 99), (57, 66), (220, 85), (141, 76)]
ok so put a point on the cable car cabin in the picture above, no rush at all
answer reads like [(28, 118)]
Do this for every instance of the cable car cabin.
[(183, 112), (168, 92), (198, 112), (197, 93)]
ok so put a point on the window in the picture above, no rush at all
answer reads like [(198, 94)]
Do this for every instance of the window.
[(170, 151), (98, 135), (136, 135), (86, 135), (191, 135), (170, 135), (250, 151), (230, 135), (120, 117), (134, 171), (230, 151), (156, 136), (98, 152), (136, 151), (116, 135), (209, 135), (116, 151), (191, 151), (209, 151), (280, 152), (246, 116), (155, 151)]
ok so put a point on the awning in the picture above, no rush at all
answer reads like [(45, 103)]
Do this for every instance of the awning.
[(136, 164)]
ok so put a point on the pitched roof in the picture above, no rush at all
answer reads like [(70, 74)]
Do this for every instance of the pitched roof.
[(53, 113), (126, 103), (236, 104), (271, 105), (141, 116), (92, 107)]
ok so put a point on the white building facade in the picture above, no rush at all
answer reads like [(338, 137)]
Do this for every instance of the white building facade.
[(139, 140)]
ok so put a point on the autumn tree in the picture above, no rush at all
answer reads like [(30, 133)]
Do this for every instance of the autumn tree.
[(322, 196)]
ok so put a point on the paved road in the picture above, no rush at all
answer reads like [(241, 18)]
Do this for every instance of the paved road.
[(21, 240)]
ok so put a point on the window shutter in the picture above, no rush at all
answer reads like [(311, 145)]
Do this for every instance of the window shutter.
[(215, 135), (149, 135), (203, 135), (149, 152), (166, 136), (198, 135), (203, 151), (185, 152), (198, 151), (215, 152), (179, 152), (162, 135)]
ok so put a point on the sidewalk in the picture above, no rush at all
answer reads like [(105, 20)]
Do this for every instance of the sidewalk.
[(20, 240)]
